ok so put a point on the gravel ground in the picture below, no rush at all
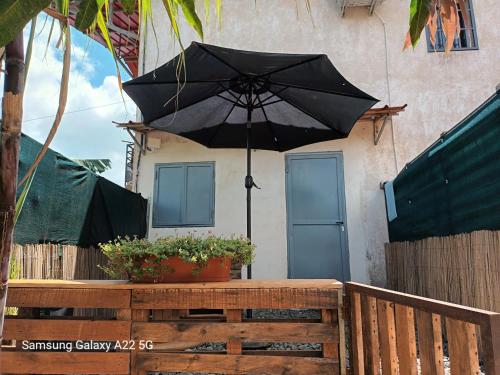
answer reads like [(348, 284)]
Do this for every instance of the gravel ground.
[(261, 314)]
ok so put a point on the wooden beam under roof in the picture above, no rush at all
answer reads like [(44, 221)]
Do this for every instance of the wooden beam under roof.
[(373, 114)]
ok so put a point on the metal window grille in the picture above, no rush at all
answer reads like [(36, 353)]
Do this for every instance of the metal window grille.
[(129, 162), (464, 40)]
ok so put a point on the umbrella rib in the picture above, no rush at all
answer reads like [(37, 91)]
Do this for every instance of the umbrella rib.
[(237, 98), (223, 122), (320, 90), (269, 123), (218, 58), (315, 57), (265, 105), (272, 96), (235, 102), (198, 101), (310, 115)]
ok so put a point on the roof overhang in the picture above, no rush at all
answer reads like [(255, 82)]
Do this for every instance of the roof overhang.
[(123, 31)]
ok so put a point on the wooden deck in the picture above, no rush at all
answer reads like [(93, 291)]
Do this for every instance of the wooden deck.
[(154, 319)]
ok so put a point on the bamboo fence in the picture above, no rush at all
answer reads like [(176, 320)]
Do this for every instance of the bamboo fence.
[(63, 262), (52, 261), (463, 269)]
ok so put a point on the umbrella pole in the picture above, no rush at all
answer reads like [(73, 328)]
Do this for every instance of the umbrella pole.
[(249, 183)]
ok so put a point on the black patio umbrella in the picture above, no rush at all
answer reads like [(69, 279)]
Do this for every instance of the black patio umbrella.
[(226, 98)]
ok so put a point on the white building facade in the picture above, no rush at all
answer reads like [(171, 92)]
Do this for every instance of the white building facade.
[(367, 49)]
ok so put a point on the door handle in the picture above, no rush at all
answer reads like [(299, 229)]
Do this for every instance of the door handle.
[(341, 223)]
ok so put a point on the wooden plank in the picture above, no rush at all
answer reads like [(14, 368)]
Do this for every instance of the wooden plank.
[(357, 364), (490, 340), (387, 337), (123, 314), (405, 339), (57, 297), (340, 315), (163, 314), (430, 343), (459, 312), (462, 347), (330, 348), (199, 332), (234, 343), (137, 316), (41, 329), (64, 363), (123, 284), (370, 335), (236, 364), (246, 298)]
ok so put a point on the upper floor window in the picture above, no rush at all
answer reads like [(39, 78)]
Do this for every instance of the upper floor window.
[(466, 39), (184, 195)]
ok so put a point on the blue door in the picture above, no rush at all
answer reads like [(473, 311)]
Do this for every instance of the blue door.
[(317, 236)]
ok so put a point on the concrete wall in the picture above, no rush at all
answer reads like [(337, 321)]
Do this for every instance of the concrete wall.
[(439, 92)]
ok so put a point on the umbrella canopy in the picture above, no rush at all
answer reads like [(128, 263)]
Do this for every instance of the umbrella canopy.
[(294, 99), (226, 98)]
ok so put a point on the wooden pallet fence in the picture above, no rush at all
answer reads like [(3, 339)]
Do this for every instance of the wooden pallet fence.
[(31, 327), (153, 317), (463, 269), (396, 333)]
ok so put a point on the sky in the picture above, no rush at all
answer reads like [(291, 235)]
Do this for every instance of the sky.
[(93, 96)]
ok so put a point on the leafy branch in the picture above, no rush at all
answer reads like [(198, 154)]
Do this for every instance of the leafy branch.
[(426, 12)]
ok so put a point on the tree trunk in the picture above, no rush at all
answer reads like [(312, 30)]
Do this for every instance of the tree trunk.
[(12, 113)]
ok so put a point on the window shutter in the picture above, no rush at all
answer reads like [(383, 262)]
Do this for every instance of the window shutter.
[(199, 194), (184, 195), (169, 195)]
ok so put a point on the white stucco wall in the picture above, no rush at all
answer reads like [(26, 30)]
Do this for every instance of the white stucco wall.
[(439, 92)]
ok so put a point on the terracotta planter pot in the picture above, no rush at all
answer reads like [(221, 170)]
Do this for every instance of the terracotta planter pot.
[(176, 270)]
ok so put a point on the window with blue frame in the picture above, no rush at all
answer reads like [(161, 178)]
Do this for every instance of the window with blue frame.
[(184, 195), (465, 40)]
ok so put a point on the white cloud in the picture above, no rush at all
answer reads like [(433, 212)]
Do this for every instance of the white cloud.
[(88, 134)]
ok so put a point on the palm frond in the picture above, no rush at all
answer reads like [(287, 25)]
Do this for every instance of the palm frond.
[(95, 165)]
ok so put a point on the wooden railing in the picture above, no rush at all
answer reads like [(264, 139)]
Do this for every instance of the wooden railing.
[(387, 327), (154, 329)]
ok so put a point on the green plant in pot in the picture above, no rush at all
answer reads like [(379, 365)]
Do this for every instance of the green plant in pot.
[(186, 258)]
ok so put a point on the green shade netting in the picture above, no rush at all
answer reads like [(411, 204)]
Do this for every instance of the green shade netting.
[(68, 204), (453, 186)]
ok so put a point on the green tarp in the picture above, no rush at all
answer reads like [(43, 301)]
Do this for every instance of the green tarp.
[(453, 186), (68, 204)]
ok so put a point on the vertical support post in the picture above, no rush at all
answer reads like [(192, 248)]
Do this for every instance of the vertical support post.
[(490, 338), (406, 340), (341, 327), (12, 114), (356, 335), (370, 335), (430, 343), (330, 350), (234, 343), (387, 337), (137, 316)]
